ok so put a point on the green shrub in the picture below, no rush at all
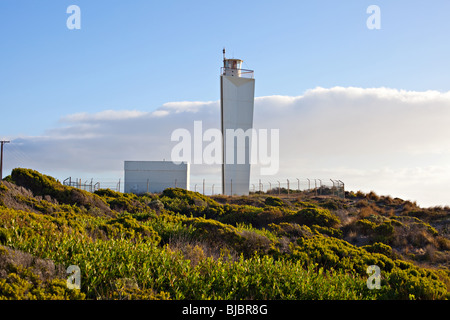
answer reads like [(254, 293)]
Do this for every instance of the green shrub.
[(3, 188), (305, 204), (315, 216), (384, 231), (192, 198), (246, 241), (125, 226), (407, 284), (19, 287), (22, 283), (42, 185), (291, 230), (273, 201), (379, 247), (332, 204), (365, 226), (332, 232)]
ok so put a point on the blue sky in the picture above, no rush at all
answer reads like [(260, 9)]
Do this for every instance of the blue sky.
[(141, 54), (70, 98)]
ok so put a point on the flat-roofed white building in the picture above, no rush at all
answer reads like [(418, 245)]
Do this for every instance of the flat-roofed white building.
[(155, 176)]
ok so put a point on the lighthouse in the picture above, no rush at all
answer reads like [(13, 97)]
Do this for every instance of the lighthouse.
[(237, 95)]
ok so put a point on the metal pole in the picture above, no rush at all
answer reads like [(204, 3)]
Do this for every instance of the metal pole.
[(333, 187), (298, 184), (195, 188), (343, 189), (288, 185), (309, 184)]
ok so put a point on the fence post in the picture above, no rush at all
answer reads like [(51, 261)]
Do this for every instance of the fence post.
[(343, 189)]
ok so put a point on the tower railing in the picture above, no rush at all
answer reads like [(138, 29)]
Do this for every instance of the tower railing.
[(242, 73)]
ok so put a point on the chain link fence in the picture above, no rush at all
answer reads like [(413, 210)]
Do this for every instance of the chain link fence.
[(317, 187)]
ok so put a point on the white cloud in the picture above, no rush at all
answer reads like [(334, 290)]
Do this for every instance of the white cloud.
[(102, 116), (391, 141)]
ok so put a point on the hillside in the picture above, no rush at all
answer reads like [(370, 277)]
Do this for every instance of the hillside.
[(183, 245)]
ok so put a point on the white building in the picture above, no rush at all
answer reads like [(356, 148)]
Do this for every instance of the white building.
[(237, 87), (155, 176)]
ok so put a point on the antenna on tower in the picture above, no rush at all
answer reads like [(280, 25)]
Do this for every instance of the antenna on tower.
[(223, 53)]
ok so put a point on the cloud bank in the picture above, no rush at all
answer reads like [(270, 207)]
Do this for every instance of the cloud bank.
[(391, 141)]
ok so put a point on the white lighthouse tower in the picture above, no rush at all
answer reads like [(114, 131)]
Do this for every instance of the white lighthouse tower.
[(237, 87)]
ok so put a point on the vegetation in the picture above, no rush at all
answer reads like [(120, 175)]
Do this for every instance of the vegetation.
[(183, 245)]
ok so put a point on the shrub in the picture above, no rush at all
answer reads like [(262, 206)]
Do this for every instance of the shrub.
[(406, 284), (3, 188), (315, 216), (246, 241), (333, 204), (379, 247), (384, 231), (291, 230), (273, 201), (365, 226), (24, 285), (125, 226), (332, 232), (192, 198), (42, 185), (373, 196), (23, 276)]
